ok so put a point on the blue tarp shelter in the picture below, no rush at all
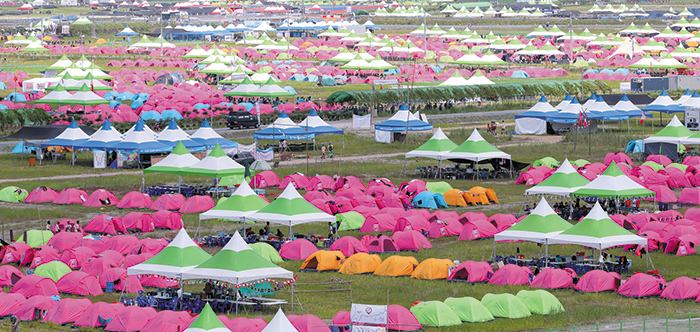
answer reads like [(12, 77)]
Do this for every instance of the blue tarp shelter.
[(429, 200)]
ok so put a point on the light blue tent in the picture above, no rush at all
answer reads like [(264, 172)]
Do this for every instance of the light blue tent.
[(290, 89), (623, 71), (136, 103), (114, 104), (591, 71), (297, 77), (607, 71), (429, 200), (151, 115), (3, 86), (125, 96), (200, 106), (327, 80), (110, 95), (520, 74), (225, 104), (16, 97), (21, 148), (635, 146), (248, 106), (143, 96), (171, 114), (312, 78)]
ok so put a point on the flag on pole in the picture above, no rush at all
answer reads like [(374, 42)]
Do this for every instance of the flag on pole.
[(644, 117), (92, 85), (16, 78)]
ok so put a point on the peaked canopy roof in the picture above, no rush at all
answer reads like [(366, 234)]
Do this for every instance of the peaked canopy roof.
[(237, 263), (291, 209), (280, 323), (175, 162), (283, 128), (207, 321), (403, 120), (613, 183), (436, 147), (541, 224), (314, 124), (207, 136), (72, 136), (241, 204), (563, 182), (539, 110), (173, 135), (182, 254), (216, 164), (107, 134), (475, 148), (140, 138), (674, 132), (598, 231)]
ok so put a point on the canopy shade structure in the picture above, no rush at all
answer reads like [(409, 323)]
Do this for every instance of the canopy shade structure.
[(237, 263), (598, 231), (100, 139), (175, 162), (140, 138), (674, 132), (315, 125), (542, 224), (173, 135), (58, 95), (662, 103), (436, 147), (210, 138), (271, 90), (563, 182), (62, 64), (70, 137), (126, 32), (475, 148), (613, 183), (243, 203), (283, 128), (403, 120), (85, 96), (533, 121), (291, 209), (182, 254), (216, 164), (245, 89), (207, 322), (280, 323)]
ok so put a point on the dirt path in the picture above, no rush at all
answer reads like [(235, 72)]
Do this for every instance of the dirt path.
[(73, 176)]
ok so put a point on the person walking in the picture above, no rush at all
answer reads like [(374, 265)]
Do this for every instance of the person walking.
[(330, 150), (323, 151)]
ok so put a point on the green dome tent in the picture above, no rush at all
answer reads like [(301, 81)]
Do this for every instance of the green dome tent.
[(53, 270), (35, 238), (13, 194), (540, 301), (580, 162), (546, 161), (267, 251), (435, 313), (350, 220), (440, 187), (506, 306), (469, 309)]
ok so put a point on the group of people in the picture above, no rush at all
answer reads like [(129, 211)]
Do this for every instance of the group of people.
[(58, 227), (330, 150), (493, 127)]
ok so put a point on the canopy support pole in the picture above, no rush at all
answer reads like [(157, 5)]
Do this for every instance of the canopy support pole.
[(546, 253)]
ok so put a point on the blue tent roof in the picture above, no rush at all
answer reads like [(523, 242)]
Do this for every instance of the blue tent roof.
[(172, 135), (314, 124), (565, 117), (538, 114), (429, 200), (71, 137), (127, 33), (210, 138), (403, 120), (102, 138), (520, 74), (283, 128), (140, 139)]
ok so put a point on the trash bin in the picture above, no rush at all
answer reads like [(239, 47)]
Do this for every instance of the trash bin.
[(32, 161)]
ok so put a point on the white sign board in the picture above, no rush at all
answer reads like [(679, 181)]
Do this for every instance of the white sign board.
[(369, 314), (361, 121), (361, 328), (99, 159)]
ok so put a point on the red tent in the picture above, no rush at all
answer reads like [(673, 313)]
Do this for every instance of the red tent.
[(35, 285), (9, 275), (552, 278), (379, 244), (299, 180), (95, 266), (411, 240), (65, 241), (446, 227), (10, 302), (131, 318), (244, 324), (40, 255), (379, 222), (321, 182), (471, 271), (642, 285), (596, 281), (310, 323), (139, 221), (66, 311), (348, 245), (98, 309), (477, 229), (41, 195), (104, 224), (34, 307), (197, 204), (101, 197), (71, 196), (682, 288), (402, 319), (14, 252), (118, 276), (511, 274), (167, 219), (349, 182), (265, 179), (123, 244), (79, 283), (682, 245), (298, 250), (411, 223), (168, 321), (168, 202), (135, 200), (76, 257)]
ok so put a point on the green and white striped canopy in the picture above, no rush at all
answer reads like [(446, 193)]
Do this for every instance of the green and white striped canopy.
[(280, 323), (241, 204), (475, 148), (175, 162), (291, 209), (216, 164), (180, 255), (541, 224), (598, 231), (436, 147), (563, 182), (207, 322), (613, 183), (674, 132), (237, 263)]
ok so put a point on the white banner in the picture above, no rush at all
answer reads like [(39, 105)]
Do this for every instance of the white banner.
[(265, 155), (99, 159), (246, 148), (361, 122), (369, 314), (361, 328)]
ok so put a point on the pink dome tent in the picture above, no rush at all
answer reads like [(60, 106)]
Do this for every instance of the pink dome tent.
[(442, 215), (314, 195), (596, 281), (14, 252), (552, 278), (168, 202), (300, 181), (101, 197), (348, 245), (66, 311), (321, 182), (35, 307), (76, 257), (309, 323), (379, 244), (682, 245), (35, 285), (168, 321), (135, 200), (351, 193), (411, 240), (90, 317), (265, 179), (477, 229), (95, 266), (298, 250), (131, 318), (71, 196), (65, 241), (118, 276), (379, 222), (642, 285), (104, 224), (139, 221), (41, 195), (197, 204), (244, 324), (9, 275), (123, 244), (349, 182), (167, 219), (40, 255), (681, 288), (408, 223), (471, 271), (472, 216), (149, 246), (446, 227), (136, 259), (79, 283), (10, 302), (402, 319), (511, 274)]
